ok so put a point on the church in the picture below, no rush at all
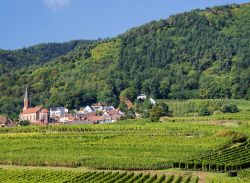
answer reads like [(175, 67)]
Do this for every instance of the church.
[(36, 114)]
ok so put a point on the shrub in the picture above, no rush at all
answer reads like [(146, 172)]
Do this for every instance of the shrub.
[(24, 123), (223, 133), (225, 108), (229, 108), (156, 113), (239, 137), (233, 108), (236, 136), (203, 111), (232, 173)]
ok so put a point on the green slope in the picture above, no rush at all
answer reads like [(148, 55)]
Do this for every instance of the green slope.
[(38, 54)]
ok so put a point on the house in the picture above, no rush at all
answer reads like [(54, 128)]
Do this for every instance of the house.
[(96, 114), (63, 119), (98, 119), (36, 114), (114, 115), (108, 108), (58, 112), (95, 108), (5, 121), (98, 106), (142, 97), (88, 109), (95, 119)]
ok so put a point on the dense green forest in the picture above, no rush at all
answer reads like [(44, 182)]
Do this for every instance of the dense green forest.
[(199, 54), (38, 54)]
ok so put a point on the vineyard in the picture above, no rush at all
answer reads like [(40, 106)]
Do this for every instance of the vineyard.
[(37, 176), (133, 147), (192, 106), (233, 158)]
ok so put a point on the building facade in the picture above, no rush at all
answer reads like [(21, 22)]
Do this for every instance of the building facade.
[(58, 112), (36, 114)]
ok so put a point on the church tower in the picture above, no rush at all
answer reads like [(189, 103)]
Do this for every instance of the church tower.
[(26, 100)]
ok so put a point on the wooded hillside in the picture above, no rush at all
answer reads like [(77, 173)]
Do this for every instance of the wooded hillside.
[(199, 54)]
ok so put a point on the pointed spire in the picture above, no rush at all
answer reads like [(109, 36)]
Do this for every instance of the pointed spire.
[(26, 96), (26, 100)]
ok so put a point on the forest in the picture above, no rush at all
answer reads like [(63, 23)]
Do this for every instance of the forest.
[(202, 54)]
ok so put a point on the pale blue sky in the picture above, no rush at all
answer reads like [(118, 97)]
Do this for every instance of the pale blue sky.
[(29, 22)]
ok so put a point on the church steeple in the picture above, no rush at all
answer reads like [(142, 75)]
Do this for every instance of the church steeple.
[(26, 93), (26, 100)]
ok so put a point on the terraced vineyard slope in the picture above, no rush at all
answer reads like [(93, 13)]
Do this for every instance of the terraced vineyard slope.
[(232, 158)]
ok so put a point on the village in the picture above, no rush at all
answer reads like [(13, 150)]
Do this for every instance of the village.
[(97, 113)]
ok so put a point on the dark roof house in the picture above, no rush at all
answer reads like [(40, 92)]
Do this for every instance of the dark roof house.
[(5, 121)]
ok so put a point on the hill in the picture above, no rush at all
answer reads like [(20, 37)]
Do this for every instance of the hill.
[(198, 54), (38, 54)]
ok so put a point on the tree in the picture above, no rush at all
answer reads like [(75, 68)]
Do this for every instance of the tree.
[(129, 114), (158, 111), (106, 95), (128, 93), (123, 107), (165, 108)]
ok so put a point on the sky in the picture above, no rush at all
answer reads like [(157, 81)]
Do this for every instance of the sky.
[(28, 22)]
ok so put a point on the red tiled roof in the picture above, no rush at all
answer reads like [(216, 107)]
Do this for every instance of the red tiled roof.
[(113, 112), (90, 114), (71, 118), (32, 110), (95, 118), (45, 111)]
